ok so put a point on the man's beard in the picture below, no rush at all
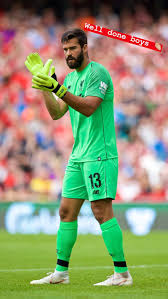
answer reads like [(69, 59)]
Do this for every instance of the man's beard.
[(76, 63)]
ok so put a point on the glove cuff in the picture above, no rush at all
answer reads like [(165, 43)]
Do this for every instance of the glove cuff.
[(60, 91)]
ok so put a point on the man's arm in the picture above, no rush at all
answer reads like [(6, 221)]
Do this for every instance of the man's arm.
[(56, 107), (85, 105)]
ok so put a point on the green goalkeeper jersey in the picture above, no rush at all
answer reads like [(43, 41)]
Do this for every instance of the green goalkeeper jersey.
[(94, 136)]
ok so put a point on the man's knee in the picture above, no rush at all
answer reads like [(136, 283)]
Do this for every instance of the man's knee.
[(102, 210), (67, 213), (99, 217), (98, 212), (64, 213), (69, 209)]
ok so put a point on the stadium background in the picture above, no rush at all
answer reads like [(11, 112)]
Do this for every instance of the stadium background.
[(34, 149)]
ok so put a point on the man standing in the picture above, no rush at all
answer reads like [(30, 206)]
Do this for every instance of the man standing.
[(92, 169)]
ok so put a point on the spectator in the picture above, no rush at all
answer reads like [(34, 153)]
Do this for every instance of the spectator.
[(34, 149)]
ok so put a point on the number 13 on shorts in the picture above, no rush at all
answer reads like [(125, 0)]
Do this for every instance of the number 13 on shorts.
[(101, 178), (95, 180)]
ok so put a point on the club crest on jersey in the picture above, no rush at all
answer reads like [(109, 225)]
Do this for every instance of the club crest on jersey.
[(103, 87), (81, 85), (81, 88)]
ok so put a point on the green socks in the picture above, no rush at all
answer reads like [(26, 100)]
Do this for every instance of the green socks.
[(112, 236), (66, 238)]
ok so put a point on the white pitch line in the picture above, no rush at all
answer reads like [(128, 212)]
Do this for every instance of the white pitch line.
[(109, 267), (85, 268)]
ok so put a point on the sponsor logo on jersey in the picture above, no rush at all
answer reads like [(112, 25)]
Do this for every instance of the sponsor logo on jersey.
[(103, 87)]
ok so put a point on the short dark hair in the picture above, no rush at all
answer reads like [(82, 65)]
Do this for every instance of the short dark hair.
[(78, 33)]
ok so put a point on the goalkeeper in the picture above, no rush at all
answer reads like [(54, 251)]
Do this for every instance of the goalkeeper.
[(92, 170)]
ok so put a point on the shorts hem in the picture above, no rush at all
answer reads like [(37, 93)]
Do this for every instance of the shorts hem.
[(103, 197), (74, 197)]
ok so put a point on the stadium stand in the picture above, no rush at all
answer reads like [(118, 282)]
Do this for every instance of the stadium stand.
[(34, 149)]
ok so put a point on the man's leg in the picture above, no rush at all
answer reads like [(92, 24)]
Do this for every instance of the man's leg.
[(66, 237), (73, 195), (112, 235), (67, 232)]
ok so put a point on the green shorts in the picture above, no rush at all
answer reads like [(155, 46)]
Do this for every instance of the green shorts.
[(91, 180)]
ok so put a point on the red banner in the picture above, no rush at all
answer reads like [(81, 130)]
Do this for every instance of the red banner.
[(124, 37)]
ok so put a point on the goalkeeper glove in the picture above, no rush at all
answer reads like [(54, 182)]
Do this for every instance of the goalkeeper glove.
[(47, 83), (35, 65)]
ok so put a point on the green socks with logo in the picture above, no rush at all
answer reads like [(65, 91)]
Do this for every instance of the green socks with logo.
[(66, 237), (112, 236)]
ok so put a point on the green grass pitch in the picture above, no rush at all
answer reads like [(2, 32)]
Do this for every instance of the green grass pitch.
[(24, 258)]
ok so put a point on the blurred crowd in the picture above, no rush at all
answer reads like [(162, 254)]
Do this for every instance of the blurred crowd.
[(34, 149)]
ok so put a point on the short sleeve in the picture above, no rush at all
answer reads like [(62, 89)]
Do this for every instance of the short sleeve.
[(98, 83)]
